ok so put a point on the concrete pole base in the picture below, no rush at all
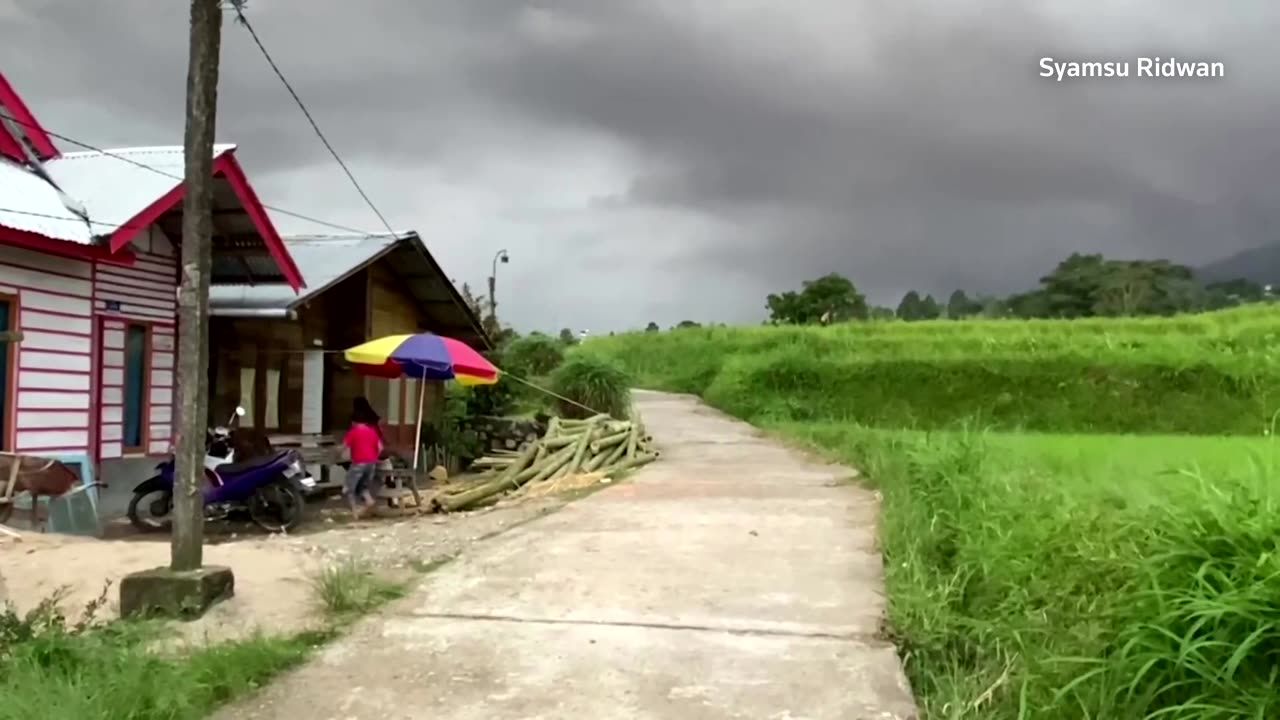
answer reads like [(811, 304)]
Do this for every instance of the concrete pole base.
[(167, 593)]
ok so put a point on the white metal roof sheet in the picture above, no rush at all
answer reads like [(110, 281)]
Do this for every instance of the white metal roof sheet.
[(111, 187), (31, 204), (322, 259), (116, 185)]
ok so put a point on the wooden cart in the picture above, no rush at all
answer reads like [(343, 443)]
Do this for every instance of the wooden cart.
[(37, 476)]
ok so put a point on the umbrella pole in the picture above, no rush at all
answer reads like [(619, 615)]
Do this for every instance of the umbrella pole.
[(417, 435)]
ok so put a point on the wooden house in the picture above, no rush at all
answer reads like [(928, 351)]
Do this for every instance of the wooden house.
[(89, 247), (279, 354)]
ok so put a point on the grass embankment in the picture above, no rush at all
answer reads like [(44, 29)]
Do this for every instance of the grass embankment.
[(1040, 575), (1210, 374), (55, 670)]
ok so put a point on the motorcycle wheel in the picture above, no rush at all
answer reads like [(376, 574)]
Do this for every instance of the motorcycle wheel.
[(150, 502), (277, 507)]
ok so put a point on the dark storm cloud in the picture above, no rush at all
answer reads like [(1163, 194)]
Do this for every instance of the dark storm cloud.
[(691, 157)]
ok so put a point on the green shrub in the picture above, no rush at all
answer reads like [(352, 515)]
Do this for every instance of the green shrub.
[(56, 670), (586, 381), (353, 587), (533, 355)]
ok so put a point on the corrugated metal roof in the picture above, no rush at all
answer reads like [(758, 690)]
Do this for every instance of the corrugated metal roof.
[(322, 260), (110, 189), (113, 189), (39, 207), (326, 259)]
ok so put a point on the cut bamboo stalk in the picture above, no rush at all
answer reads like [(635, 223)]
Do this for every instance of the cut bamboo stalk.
[(633, 441), (580, 452), (554, 460), (608, 441), (628, 464), (551, 468), (519, 463), (606, 459)]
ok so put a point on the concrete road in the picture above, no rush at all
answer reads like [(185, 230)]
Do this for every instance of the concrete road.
[(732, 579)]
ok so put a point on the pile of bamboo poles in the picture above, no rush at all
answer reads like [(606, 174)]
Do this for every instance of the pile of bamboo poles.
[(595, 445)]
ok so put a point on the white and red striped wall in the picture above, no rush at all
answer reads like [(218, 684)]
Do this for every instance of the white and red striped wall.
[(143, 294), (67, 374)]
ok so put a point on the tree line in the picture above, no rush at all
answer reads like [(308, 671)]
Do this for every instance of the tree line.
[(1079, 286)]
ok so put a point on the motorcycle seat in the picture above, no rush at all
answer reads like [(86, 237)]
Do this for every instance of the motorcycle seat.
[(242, 466)]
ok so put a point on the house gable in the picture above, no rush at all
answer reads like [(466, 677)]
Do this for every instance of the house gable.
[(21, 128)]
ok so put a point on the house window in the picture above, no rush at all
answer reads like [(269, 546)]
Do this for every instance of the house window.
[(271, 418), (246, 396), (137, 344), (8, 358), (270, 379)]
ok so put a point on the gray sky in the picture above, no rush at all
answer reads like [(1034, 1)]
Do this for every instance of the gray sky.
[(671, 159)]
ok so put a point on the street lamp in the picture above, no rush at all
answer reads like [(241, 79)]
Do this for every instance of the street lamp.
[(501, 255)]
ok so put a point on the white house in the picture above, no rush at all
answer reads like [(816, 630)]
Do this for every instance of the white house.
[(89, 247)]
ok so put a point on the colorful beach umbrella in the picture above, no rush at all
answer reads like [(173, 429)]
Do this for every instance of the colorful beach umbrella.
[(424, 356)]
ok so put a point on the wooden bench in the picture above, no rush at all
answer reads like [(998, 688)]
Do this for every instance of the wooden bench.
[(318, 449)]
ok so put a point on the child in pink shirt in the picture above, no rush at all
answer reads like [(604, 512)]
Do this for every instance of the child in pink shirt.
[(364, 441)]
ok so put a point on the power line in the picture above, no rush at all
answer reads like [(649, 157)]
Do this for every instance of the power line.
[(150, 168), (165, 173), (238, 6), (114, 226)]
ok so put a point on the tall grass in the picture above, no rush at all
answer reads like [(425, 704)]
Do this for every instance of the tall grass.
[(588, 384), (1212, 373), (351, 587), (1022, 590), (1055, 574), (53, 670)]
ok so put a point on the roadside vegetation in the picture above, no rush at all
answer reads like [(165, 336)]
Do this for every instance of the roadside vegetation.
[(1081, 517), (56, 669)]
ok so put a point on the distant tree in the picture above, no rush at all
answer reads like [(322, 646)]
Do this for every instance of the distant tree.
[(930, 309), (880, 312), (1233, 292), (652, 327), (567, 337), (830, 298), (993, 307), (1091, 285), (1032, 304), (534, 355), (910, 308), (1073, 288), (492, 327), (960, 306), (688, 324)]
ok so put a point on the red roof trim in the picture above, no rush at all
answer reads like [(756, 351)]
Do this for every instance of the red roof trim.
[(120, 238), (40, 139), (224, 165), (64, 248), (10, 148), (227, 166)]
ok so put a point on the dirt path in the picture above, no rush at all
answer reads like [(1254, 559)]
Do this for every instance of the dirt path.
[(733, 579), (273, 573)]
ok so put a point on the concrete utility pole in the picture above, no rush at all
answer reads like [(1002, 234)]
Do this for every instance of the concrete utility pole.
[(188, 587), (187, 549)]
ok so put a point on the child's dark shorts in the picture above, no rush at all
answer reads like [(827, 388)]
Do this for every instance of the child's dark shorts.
[(360, 479)]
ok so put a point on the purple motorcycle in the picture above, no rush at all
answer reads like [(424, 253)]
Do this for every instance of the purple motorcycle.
[(269, 489)]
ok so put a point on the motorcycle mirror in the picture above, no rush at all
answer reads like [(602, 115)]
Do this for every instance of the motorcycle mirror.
[(240, 411)]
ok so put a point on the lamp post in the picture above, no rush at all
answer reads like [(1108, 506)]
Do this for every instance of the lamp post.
[(502, 256)]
